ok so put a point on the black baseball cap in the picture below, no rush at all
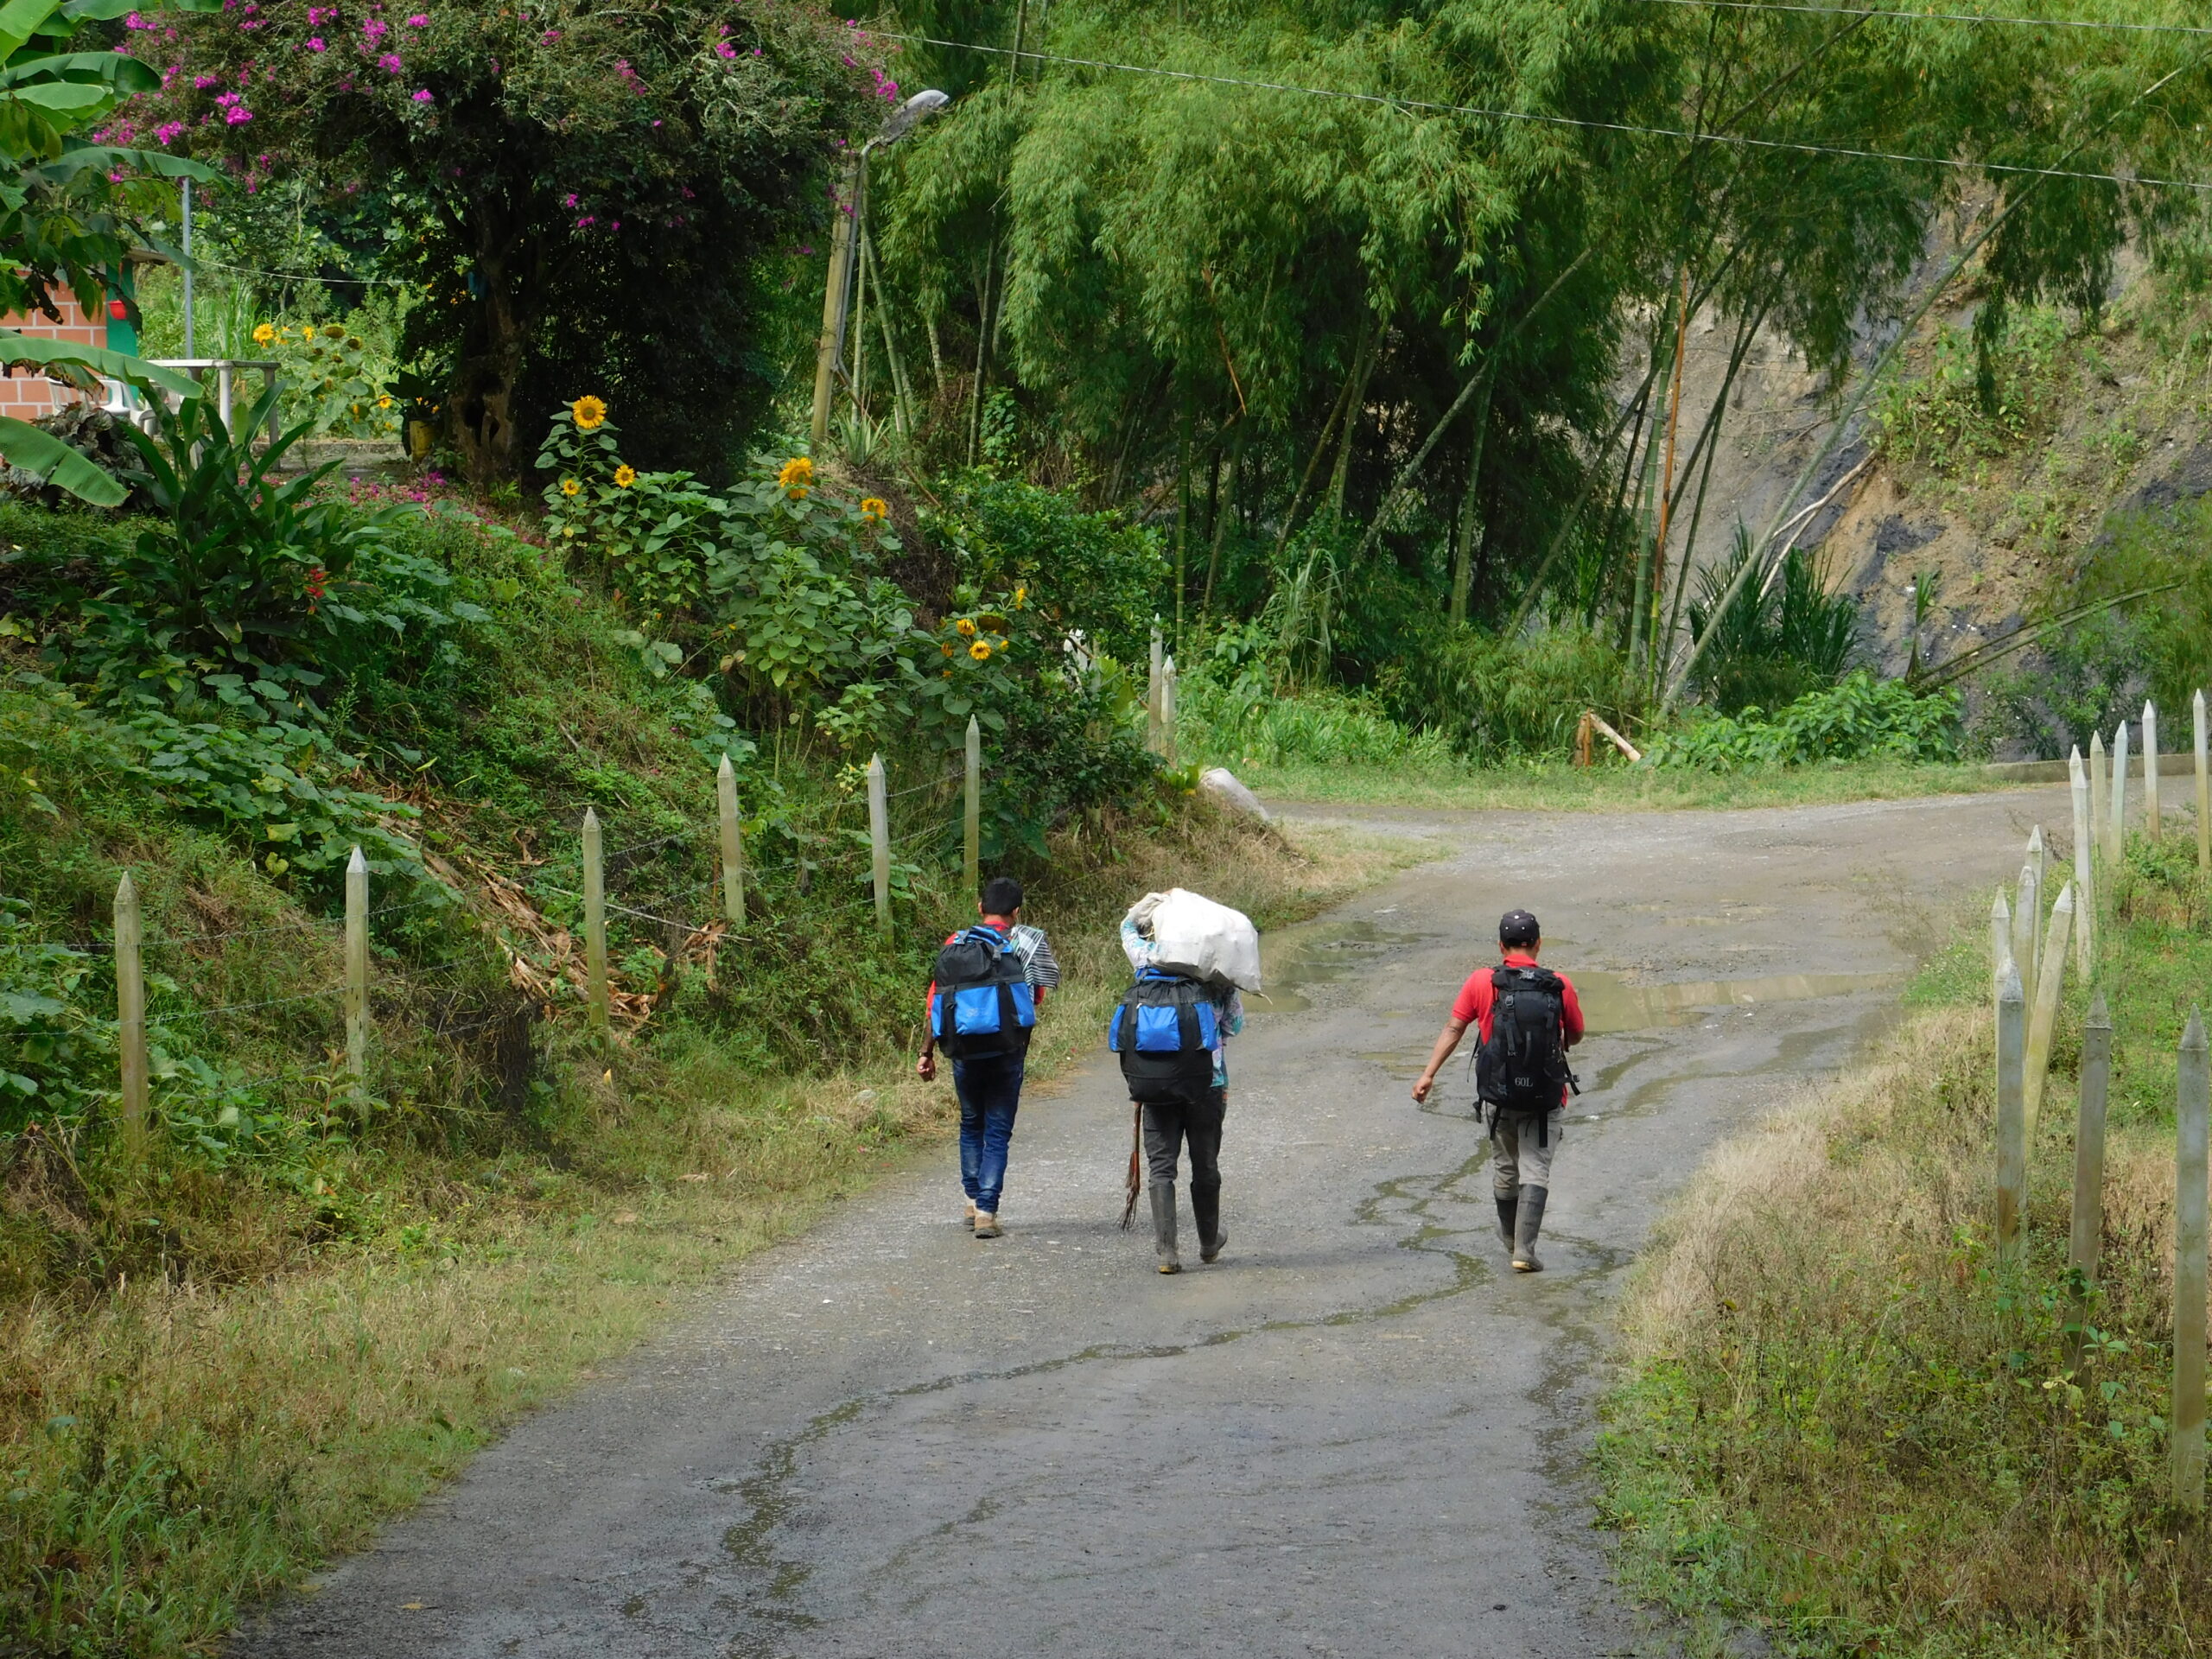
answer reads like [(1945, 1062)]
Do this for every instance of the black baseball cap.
[(1518, 927)]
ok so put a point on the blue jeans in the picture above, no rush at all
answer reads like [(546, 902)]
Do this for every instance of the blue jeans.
[(990, 1094)]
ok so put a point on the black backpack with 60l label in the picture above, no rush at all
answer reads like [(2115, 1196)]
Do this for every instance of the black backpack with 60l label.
[(1521, 1066)]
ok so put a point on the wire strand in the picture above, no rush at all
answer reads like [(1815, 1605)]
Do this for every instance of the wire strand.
[(1739, 140), (1904, 16)]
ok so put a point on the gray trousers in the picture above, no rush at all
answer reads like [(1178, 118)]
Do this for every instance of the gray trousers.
[(1166, 1128), (1520, 1151)]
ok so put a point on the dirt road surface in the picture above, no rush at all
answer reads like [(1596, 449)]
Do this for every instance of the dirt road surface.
[(1357, 1434)]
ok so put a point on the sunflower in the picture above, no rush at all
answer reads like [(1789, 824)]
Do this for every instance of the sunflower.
[(798, 474), (625, 476), (265, 335), (964, 628), (569, 487), (980, 651), (590, 413), (384, 402), (332, 330), (1021, 597), (874, 509), (948, 647)]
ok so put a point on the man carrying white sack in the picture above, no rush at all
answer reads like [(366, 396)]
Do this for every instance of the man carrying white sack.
[(1171, 1031)]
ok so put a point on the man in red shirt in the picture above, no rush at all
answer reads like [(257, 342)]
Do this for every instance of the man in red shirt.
[(1521, 1140)]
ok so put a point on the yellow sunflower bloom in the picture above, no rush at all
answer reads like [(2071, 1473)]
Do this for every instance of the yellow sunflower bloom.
[(798, 474), (980, 651), (1021, 597), (384, 402), (569, 487), (625, 476), (874, 509), (948, 647), (590, 413), (265, 335), (965, 628)]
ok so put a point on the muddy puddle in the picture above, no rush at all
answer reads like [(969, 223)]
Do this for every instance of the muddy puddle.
[(1611, 1003), (1293, 961)]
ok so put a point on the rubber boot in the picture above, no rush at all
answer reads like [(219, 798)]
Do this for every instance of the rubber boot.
[(1505, 1211), (1163, 1226), (1205, 1209), (1526, 1225)]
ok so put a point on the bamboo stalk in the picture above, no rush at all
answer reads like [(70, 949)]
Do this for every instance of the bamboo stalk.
[(2012, 1125), (131, 1015), (971, 810), (596, 996), (2194, 1093), (2050, 976), (2086, 1239), (879, 837)]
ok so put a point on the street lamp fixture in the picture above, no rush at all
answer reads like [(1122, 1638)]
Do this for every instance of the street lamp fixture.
[(844, 251)]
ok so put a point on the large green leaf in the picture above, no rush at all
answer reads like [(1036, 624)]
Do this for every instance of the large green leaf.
[(119, 365), (25, 446), (119, 69), (20, 20), (69, 96)]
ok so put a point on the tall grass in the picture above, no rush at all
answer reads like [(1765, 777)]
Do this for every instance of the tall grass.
[(1848, 1421)]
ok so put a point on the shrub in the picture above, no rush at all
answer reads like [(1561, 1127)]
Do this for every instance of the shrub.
[(1492, 697), (1861, 719), (1772, 647)]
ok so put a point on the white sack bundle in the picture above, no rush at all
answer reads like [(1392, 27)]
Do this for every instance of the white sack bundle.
[(1193, 935)]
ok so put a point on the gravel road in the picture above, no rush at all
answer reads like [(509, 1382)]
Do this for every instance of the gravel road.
[(1357, 1434)]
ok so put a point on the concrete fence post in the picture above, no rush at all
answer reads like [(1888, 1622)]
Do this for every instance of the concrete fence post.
[(2039, 861), (2189, 1127), (733, 846), (2203, 788), (2085, 889), (2027, 900), (2150, 770), (2012, 1137), (595, 994), (879, 841), (1152, 695), (2001, 937), (2044, 1018), (2086, 1238), (1167, 745), (131, 1015), (2116, 832), (2099, 789), (971, 810), (357, 970)]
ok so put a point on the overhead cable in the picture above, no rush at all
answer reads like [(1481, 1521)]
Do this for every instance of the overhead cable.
[(1738, 140)]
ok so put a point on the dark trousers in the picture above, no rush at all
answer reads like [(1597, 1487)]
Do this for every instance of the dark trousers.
[(990, 1094), (1165, 1129)]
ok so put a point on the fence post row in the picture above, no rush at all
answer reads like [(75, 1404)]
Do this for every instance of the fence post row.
[(2194, 1092), (971, 811), (2085, 1240), (2012, 1138), (357, 970), (595, 997), (879, 837), (130, 1012)]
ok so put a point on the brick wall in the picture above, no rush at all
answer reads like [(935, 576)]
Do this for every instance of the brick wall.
[(29, 395)]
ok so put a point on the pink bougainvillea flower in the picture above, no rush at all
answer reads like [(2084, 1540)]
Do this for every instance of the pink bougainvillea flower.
[(422, 96), (375, 29), (316, 43), (724, 49), (391, 61), (420, 19)]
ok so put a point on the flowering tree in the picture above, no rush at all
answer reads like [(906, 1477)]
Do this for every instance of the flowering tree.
[(590, 193)]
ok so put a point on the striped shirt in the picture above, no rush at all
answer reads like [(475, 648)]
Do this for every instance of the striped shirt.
[(1039, 966)]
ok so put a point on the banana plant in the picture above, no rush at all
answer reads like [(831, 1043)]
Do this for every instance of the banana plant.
[(62, 218)]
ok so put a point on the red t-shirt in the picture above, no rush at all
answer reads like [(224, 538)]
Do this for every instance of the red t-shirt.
[(1476, 998)]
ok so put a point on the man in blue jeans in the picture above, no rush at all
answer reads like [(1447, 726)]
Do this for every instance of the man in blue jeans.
[(989, 1083)]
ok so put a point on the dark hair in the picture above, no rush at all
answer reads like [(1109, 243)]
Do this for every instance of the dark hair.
[(1001, 896), (1518, 927)]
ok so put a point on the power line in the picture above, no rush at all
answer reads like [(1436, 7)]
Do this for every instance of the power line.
[(1738, 140), (1904, 17)]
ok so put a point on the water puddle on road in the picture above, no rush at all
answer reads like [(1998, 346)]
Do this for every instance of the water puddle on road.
[(1293, 960), (1611, 1003)]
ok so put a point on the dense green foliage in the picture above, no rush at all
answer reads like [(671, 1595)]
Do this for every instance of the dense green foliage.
[(1859, 718)]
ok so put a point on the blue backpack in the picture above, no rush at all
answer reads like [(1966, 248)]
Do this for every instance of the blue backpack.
[(1165, 1031), (985, 1008)]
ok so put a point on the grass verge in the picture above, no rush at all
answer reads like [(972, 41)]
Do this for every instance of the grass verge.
[(1557, 787), (1846, 1421), (176, 1447)]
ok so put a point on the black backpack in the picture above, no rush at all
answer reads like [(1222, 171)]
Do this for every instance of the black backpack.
[(985, 1008), (1522, 1067), (1165, 1030)]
